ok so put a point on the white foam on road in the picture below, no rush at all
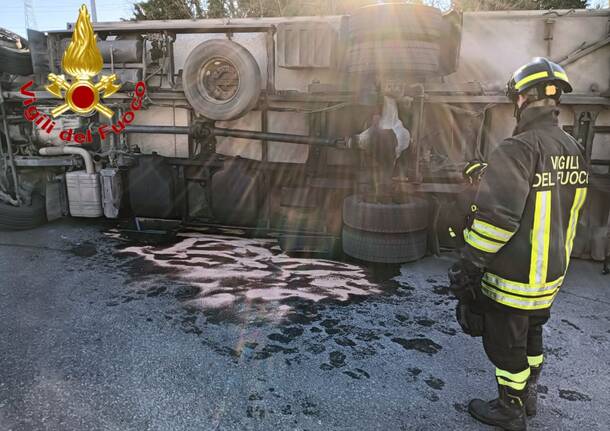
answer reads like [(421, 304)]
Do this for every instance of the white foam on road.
[(229, 269)]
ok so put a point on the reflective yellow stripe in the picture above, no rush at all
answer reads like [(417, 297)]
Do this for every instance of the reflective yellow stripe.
[(472, 168), (481, 243), (518, 301), (539, 260), (500, 289), (530, 78), (561, 75), (492, 231), (504, 282), (524, 289), (514, 380), (535, 361), (517, 386), (579, 199), (521, 376)]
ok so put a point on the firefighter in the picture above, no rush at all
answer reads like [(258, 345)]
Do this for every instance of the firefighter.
[(518, 241)]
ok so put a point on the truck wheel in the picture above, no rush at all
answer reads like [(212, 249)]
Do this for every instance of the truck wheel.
[(221, 80), (395, 21), (23, 217), (409, 216), (384, 247), (401, 56), (14, 54)]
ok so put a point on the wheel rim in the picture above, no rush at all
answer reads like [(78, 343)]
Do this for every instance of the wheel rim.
[(218, 80)]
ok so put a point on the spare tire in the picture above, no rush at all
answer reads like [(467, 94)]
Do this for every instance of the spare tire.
[(221, 80), (401, 56), (395, 21), (15, 56), (23, 217), (384, 247), (409, 216)]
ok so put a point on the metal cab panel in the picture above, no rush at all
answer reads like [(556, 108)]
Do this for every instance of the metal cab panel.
[(306, 44)]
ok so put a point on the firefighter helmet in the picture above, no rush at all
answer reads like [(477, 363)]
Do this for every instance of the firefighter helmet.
[(549, 78)]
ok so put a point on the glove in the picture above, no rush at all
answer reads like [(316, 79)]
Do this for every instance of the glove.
[(464, 276), (465, 279), (471, 322)]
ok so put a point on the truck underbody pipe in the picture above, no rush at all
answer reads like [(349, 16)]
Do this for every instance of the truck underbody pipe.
[(60, 151), (202, 131), (268, 136), (167, 130)]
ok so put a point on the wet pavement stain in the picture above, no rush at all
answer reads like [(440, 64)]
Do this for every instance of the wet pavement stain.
[(268, 350), (425, 322), (402, 318), (280, 338), (86, 249), (567, 322), (441, 289), (424, 345), (344, 341), (461, 408), (571, 395), (357, 374), (255, 396), (447, 330), (337, 359), (435, 383), (156, 291), (557, 352), (255, 412), (414, 372), (316, 349), (310, 408)]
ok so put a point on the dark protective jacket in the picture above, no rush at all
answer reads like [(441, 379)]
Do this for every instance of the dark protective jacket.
[(525, 214)]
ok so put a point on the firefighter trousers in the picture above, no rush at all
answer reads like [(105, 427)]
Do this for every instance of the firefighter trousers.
[(513, 343)]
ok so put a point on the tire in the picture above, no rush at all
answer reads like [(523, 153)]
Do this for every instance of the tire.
[(410, 216), (23, 217), (384, 247), (404, 57), (221, 80), (395, 21)]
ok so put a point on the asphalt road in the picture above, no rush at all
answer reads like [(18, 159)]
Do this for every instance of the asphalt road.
[(225, 333)]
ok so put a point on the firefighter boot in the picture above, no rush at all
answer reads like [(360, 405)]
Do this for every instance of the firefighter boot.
[(531, 397), (506, 411)]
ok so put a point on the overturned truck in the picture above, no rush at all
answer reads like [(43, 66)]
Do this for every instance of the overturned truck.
[(335, 133)]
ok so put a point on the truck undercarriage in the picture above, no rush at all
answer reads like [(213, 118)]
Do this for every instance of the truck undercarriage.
[(331, 133)]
